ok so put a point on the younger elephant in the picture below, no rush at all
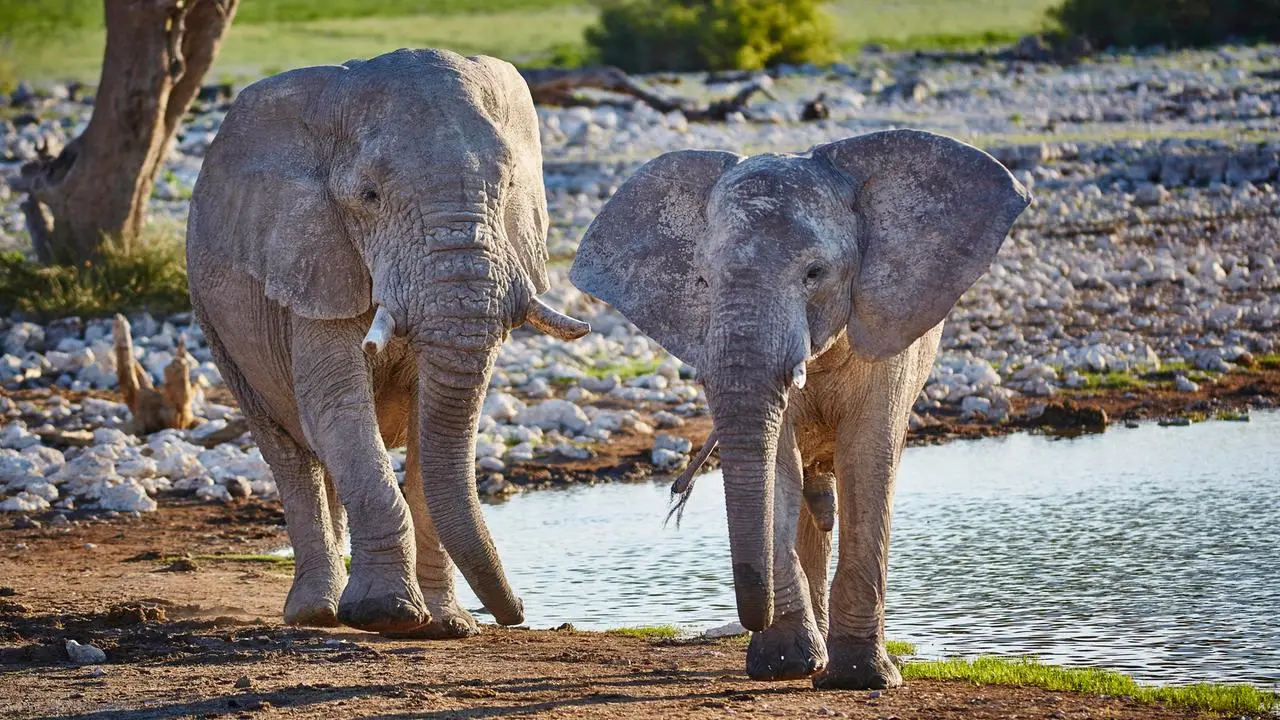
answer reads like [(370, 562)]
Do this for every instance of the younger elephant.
[(401, 196), (809, 291)]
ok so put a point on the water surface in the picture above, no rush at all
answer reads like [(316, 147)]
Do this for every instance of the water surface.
[(1155, 551)]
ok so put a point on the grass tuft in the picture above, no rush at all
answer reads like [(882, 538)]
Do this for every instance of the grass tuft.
[(626, 369), (1215, 697), (651, 632), (151, 275), (900, 648)]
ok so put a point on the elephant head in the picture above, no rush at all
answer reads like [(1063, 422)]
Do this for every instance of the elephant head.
[(747, 268), (412, 183)]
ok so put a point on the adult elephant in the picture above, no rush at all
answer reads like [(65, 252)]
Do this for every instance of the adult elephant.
[(361, 239), (809, 291)]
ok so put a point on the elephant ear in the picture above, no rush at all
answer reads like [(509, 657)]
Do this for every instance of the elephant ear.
[(263, 193), (931, 214), (526, 208), (640, 254)]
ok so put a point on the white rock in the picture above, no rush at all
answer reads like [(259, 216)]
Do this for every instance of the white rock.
[(665, 459), (675, 443), (84, 654), (42, 489), (14, 464), (126, 496), (16, 437), (733, 629), (48, 460), (555, 415), (1182, 384), (490, 448), (975, 405), (24, 502), (502, 407), (110, 436), (491, 464), (522, 452)]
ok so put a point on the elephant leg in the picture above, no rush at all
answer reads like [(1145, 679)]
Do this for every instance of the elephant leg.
[(813, 545), (435, 569), (333, 385), (337, 513), (866, 461), (793, 646), (318, 571), (319, 574)]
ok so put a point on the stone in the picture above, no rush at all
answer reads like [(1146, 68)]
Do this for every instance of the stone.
[(84, 654), (733, 629), (555, 415), (502, 407), (665, 459), (126, 496), (1182, 384), (674, 443), (665, 420), (238, 487)]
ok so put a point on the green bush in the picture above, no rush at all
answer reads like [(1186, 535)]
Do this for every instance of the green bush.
[(665, 35), (151, 275), (1176, 23)]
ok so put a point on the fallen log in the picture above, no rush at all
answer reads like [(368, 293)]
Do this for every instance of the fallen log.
[(560, 87)]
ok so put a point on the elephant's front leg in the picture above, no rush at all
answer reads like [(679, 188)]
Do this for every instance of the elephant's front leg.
[(866, 466), (793, 646), (336, 406), (435, 569)]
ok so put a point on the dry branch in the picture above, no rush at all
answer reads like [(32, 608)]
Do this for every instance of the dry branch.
[(153, 410), (559, 87)]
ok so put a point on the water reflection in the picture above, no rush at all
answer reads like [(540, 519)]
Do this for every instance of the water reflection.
[(1152, 551)]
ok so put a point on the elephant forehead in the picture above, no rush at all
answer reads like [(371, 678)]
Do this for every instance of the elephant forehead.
[(789, 200)]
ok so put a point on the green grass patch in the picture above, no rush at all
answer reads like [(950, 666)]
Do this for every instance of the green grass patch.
[(1113, 380), (1269, 361), (266, 558), (1221, 698), (650, 632), (626, 370), (901, 648), (915, 24), (64, 39), (151, 275)]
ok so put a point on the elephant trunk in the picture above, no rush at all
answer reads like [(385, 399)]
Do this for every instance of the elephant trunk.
[(455, 326), (449, 402), (747, 396)]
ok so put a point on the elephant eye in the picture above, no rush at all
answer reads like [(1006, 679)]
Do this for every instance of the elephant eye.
[(369, 195), (814, 274)]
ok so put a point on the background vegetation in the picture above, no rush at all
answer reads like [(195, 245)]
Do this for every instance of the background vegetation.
[(655, 35), (1170, 22), (63, 39)]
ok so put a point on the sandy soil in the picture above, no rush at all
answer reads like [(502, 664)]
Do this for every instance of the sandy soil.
[(208, 643)]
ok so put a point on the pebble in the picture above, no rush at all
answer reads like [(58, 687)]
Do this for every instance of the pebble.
[(84, 654)]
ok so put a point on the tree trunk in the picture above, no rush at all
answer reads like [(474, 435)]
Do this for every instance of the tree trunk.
[(97, 188)]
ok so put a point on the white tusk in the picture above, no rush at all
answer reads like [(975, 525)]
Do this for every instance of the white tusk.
[(380, 331), (798, 376)]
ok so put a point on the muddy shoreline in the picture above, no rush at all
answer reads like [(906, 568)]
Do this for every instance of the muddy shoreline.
[(206, 642)]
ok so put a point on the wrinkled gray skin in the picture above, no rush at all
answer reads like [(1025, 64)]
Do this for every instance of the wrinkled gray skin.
[(837, 268), (412, 181)]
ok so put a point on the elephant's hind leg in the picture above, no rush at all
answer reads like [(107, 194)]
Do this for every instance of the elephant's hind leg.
[(319, 574), (435, 569)]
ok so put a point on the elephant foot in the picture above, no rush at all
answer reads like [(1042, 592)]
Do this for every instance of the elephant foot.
[(381, 603), (858, 665), (448, 622), (789, 649), (313, 601)]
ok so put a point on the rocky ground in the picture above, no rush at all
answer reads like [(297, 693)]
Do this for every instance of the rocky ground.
[(109, 625), (1142, 281)]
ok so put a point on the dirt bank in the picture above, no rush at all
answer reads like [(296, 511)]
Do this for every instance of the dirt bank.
[(207, 643)]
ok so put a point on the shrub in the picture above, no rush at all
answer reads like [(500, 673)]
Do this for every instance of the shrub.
[(1169, 22), (151, 275), (665, 35)]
